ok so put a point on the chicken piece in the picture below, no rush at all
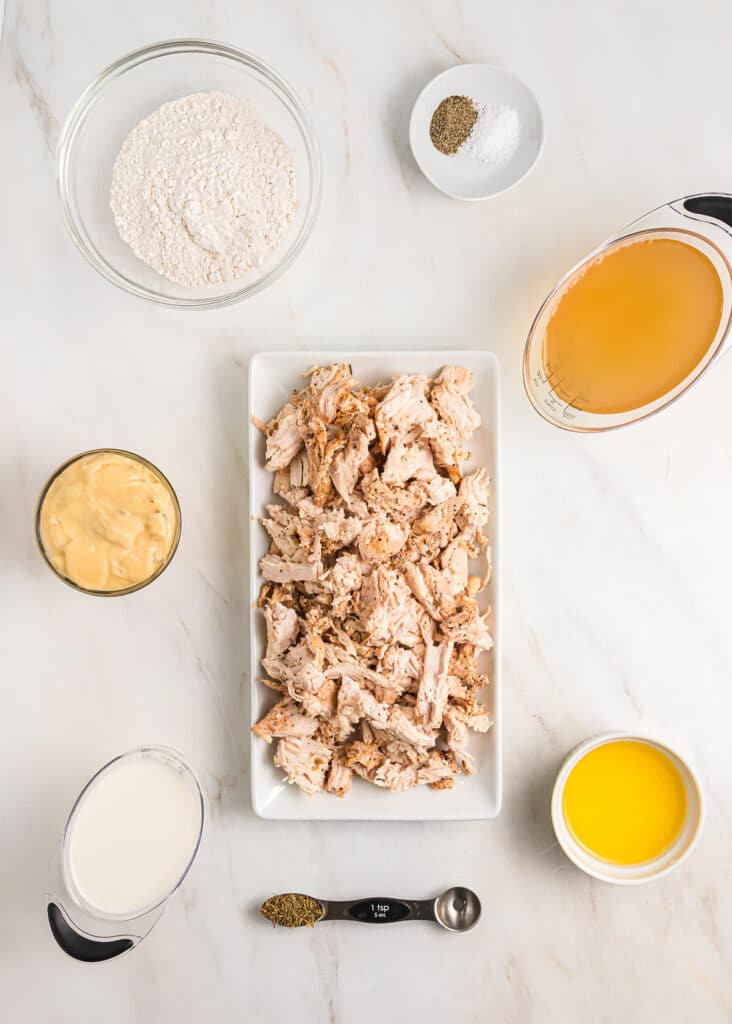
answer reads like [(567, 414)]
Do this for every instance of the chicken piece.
[(448, 450), (284, 440), (432, 692), (480, 719), (454, 562), (387, 610), (400, 504), (401, 724), (465, 762), (449, 396), (284, 719), (340, 530), (437, 523), (301, 668), (388, 694), (334, 526), (380, 592), (440, 767), (402, 662), (443, 784), (331, 393), (457, 740), (463, 665), (456, 731), (282, 529), (364, 754), (473, 497), (298, 471), (396, 777), (347, 463), (314, 434), (425, 582), (292, 495), (345, 576), (275, 667), (284, 570), (304, 761), (380, 539), (357, 670), (355, 703), (466, 625), (305, 666), (340, 774), (322, 703), (282, 628), (272, 685), (407, 460), (477, 633), (340, 648), (456, 689), (404, 753), (436, 490), (404, 406)]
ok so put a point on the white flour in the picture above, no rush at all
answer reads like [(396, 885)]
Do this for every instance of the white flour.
[(203, 189)]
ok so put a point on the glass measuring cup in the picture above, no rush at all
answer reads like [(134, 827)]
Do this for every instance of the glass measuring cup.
[(84, 931), (703, 221)]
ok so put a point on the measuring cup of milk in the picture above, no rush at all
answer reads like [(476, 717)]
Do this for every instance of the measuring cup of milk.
[(632, 326), (128, 844)]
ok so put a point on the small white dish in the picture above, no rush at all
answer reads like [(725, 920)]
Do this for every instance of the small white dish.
[(462, 176), (629, 874), (272, 377)]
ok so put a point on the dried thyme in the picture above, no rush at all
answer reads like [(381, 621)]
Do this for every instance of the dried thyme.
[(452, 122), (291, 910)]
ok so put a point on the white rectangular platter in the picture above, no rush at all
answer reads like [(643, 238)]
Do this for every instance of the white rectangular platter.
[(272, 377)]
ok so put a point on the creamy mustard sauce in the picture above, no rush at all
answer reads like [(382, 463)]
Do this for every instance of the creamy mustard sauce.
[(108, 522)]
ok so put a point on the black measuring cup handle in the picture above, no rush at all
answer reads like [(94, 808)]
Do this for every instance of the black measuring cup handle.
[(90, 951), (717, 205), (380, 910)]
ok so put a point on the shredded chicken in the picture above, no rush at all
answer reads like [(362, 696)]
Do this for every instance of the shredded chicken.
[(373, 627)]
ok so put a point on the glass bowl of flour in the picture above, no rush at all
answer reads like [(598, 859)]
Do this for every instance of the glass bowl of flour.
[(189, 174)]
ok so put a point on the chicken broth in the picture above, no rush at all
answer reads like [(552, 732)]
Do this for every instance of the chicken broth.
[(632, 325)]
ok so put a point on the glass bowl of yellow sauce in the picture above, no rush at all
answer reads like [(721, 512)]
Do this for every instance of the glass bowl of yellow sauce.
[(108, 522), (626, 809)]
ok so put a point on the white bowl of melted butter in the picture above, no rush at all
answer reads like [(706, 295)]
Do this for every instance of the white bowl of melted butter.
[(108, 522)]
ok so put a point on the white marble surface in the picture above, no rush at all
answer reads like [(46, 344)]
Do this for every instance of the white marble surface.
[(617, 556)]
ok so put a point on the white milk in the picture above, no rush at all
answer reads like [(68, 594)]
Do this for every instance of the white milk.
[(132, 835)]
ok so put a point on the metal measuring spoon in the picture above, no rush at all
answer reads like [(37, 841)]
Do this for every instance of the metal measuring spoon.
[(457, 910)]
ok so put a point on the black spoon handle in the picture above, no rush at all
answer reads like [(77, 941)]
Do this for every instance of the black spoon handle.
[(90, 951), (379, 910)]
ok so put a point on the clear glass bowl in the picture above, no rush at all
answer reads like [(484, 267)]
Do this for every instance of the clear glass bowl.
[(135, 586), (130, 90)]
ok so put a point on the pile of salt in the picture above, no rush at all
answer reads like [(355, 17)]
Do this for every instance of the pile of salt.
[(495, 135)]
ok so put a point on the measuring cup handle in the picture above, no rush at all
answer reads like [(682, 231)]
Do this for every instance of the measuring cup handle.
[(90, 951), (717, 205)]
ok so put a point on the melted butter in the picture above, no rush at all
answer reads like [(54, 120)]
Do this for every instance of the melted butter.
[(625, 802), (108, 522)]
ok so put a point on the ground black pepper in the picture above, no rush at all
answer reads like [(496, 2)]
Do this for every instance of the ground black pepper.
[(451, 123)]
